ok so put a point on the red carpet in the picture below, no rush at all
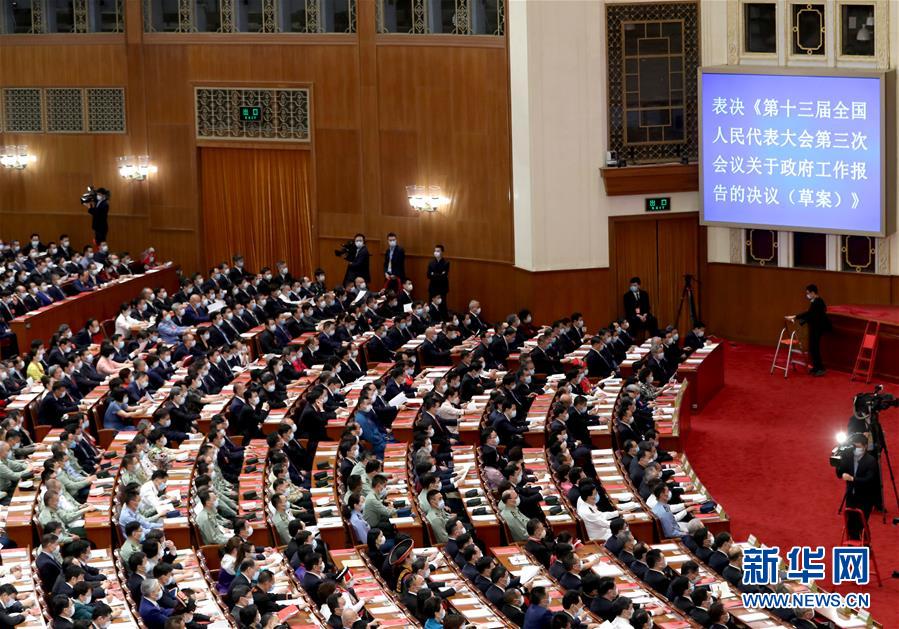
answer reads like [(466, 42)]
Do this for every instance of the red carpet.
[(761, 447)]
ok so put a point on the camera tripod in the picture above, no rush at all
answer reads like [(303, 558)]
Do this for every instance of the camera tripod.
[(880, 444), (687, 297)]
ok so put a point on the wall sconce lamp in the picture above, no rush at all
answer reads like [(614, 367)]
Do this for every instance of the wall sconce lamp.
[(16, 157), (135, 167), (425, 199)]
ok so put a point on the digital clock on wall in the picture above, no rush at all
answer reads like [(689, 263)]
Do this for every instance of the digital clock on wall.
[(250, 113), (658, 204)]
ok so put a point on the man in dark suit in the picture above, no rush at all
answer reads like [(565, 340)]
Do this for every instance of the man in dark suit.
[(48, 561), (536, 543), (358, 262), (701, 598), (438, 275), (430, 352), (263, 597), (270, 342), (655, 577), (99, 212), (375, 348), (862, 476), (637, 308), (55, 405), (394, 264), (696, 338), (598, 365), (538, 615), (312, 579), (818, 323)]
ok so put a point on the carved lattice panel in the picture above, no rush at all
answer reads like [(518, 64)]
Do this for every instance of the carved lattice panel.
[(666, 32), (23, 110), (106, 110), (65, 110), (284, 114)]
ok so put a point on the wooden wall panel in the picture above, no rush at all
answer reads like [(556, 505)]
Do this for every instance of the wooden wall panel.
[(747, 303), (633, 252), (678, 251), (338, 164), (386, 112), (660, 249)]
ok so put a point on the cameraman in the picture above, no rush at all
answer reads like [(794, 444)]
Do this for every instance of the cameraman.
[(358, 261), (860, 421), (98, 207), (861, 474)]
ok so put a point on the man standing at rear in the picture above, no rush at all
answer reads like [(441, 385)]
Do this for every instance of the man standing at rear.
[(394, 265), (99, 211), (818, 323)]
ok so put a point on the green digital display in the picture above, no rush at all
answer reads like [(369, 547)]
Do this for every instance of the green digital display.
[(250, 114), (658, 204)]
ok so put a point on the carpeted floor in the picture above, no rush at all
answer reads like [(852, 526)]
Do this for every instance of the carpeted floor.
[(761, 447)]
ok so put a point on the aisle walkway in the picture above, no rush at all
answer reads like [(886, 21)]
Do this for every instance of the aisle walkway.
[(761, 447)]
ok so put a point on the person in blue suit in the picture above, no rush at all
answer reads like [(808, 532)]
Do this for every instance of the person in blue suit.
[(151, 613)]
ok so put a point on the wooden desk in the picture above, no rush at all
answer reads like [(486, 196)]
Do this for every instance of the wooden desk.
[(401, 487), (630, 586), (325, 499), (100, 304), (676, 555), (841, 618), (101, 559), (704, 370), (486, 525), (468, 601), (381, 603), (514, 559), (620, 492)]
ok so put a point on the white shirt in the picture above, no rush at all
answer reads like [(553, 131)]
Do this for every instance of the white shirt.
[(595, 521), (448, 411), (149, 499), (123, 324), (616, 623)]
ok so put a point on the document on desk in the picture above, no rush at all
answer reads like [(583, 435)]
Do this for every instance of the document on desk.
[(398, 400), (607, 569), (528, 573)]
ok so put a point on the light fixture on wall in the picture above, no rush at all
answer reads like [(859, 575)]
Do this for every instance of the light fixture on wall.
[(425, 198), (135, 167), (864, 33), (16, 157)]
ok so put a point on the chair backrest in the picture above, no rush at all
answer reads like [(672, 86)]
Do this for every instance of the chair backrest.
[(855, 527), (108, 327)]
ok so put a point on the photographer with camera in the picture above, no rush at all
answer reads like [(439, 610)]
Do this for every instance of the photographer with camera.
[(357, 256), (860, 471), (97, 204)]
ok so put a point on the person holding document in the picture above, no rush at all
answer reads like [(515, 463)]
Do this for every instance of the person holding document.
[(818, 323)]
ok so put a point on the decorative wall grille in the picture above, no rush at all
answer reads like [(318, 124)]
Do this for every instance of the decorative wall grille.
[(105, 110), (64, 110), (23, 110), (284, 114), (652, 94), (262, 16)]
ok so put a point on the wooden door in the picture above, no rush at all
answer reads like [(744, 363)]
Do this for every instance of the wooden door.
[(660, 250)]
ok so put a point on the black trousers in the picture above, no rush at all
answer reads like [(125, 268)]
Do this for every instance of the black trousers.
[(814, 349)]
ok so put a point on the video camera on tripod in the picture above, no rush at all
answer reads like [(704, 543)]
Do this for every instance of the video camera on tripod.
[(865, 405)]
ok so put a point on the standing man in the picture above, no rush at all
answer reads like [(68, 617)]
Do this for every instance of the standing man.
[(394, 265), (818, 323), (358, 263), (438, 277), (637, 309), (99, 211), (862, 476)]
